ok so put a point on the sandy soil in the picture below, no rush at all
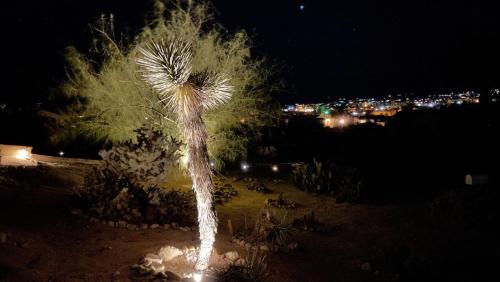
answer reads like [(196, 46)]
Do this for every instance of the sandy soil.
[(45, 241)]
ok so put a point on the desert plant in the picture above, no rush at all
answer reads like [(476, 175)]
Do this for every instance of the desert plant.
[(166, 67), (281, 203), (327, 178), (252, 269), (274, 231), (108, 197), (146, 161)]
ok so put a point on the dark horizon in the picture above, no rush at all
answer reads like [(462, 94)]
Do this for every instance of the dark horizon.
[(342, 49)]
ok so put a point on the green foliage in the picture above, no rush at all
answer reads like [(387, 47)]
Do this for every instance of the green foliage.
[(326, 178), (111, 100)]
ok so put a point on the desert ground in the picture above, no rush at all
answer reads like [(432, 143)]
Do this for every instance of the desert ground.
[(45, 239)]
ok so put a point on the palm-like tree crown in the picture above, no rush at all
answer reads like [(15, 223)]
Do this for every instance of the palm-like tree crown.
[(167, 69)]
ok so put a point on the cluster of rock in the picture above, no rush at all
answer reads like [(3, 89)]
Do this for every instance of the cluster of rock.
[(131, 226), (257, 186), (281, 203), (223, 192), (309, 223), (264, 246), (169, 260)]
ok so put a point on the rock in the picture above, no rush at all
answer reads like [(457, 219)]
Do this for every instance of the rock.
[(174, 225), (240, 261), (3, 237), (241, 242), (160, 277), (248, 245), (264, 248), (232, 255), (93, 220), (169, 252), (122, 224), (185, 228), (116, 273), (154, 226), (157, 267), (111, 223), (172, 276), (365, 266), (152, 258), (142, 270), (131, 226), (144, 226), (166, 226), (293, 246), (76, 211)]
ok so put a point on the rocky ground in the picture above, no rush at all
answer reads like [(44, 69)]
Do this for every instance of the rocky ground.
[(44, 238)]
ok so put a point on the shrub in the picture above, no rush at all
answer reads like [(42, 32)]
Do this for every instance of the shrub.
[(107, 197), (145, 162), (327, 178), (273, 231), (128, 186), (252, 269)]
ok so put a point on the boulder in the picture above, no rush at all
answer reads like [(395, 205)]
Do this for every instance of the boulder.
[(153, 258), (169, 252)]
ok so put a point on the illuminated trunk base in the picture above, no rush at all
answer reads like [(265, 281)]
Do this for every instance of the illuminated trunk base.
[(199, 169)]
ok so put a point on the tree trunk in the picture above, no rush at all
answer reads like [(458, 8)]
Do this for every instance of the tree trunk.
[(196, 136)]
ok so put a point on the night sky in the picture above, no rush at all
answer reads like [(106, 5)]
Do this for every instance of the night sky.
[(327, 49)]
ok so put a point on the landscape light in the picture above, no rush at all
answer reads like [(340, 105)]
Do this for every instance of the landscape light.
[(61, 153), (22, 154), (274, 168), (342, 121), (244, 166)]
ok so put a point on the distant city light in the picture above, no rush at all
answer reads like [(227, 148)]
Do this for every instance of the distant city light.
[(61, 153), (342, 121)]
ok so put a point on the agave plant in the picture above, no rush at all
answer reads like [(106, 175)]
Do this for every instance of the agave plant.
[(167, 68)]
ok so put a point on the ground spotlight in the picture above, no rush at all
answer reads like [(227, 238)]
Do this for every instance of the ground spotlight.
[(244, 166), (275, 168)]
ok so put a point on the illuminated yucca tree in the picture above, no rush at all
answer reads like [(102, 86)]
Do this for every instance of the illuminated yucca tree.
[(166, 67)]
